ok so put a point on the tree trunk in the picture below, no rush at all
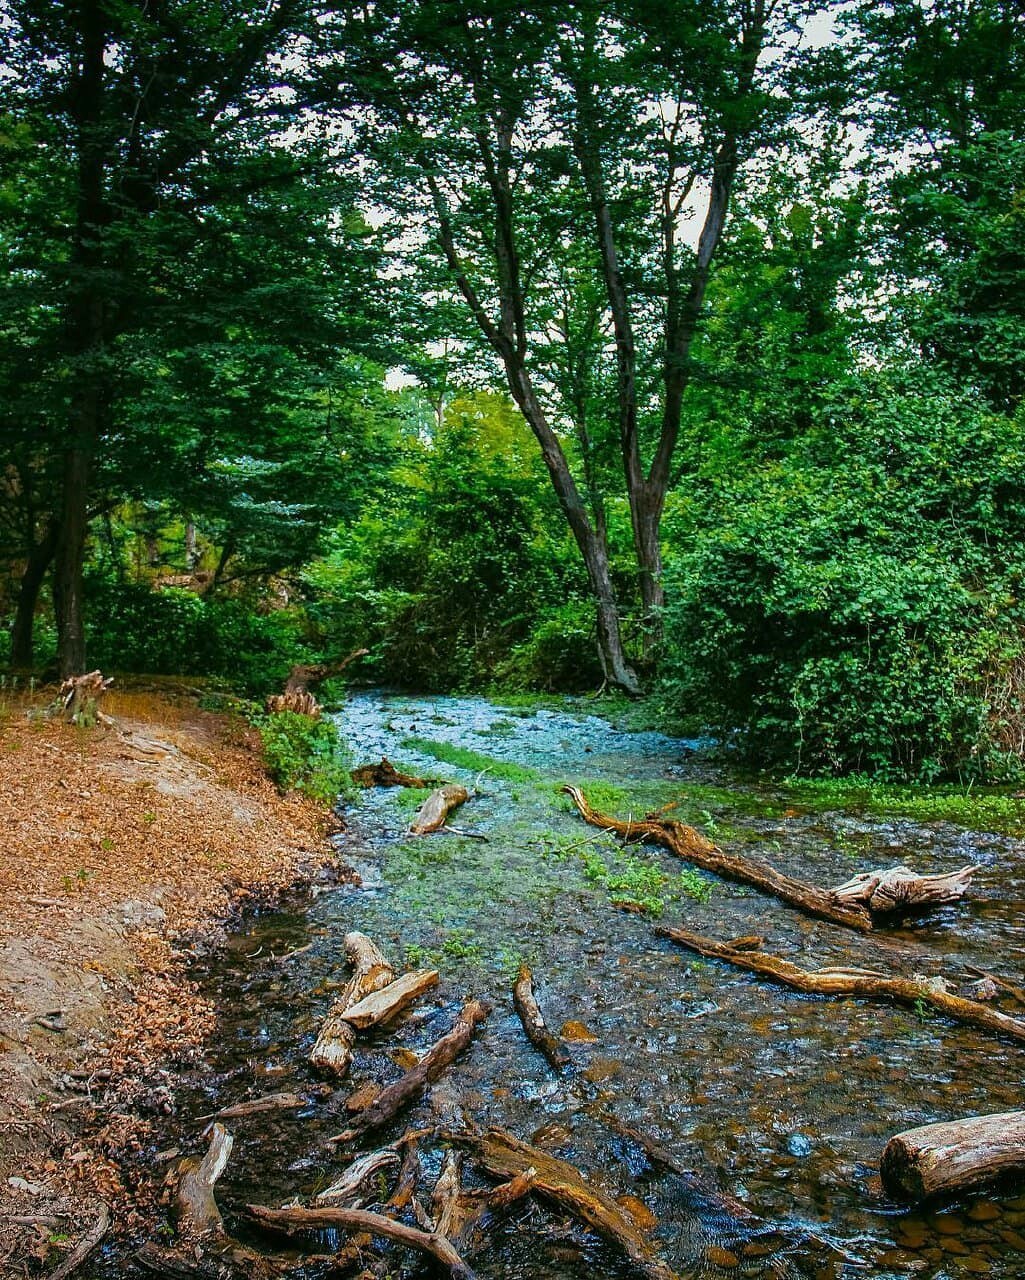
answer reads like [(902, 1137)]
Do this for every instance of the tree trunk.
[(67, 577), (39, 559)]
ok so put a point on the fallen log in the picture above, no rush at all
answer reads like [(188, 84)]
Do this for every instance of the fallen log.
[(504, 1156), (253, 1106), (392, 1099), (433, 813), (691, 846), (915, 992), (900, 891), (296, 696), (85, 1246), (953, 1156), (533, 1021), (349, 1187), (381, 1005), (385, 775), (333, 1049), (430, 1243), (409, 1171)]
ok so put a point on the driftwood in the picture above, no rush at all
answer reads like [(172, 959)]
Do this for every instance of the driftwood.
[(194, 1204), (381, 1005), (409, 1171), (385, 775), (430, 1243), (504, 1156), (85, 1246), (948, 1158), (916, 991), (80, 696), (296, 695), (349, 1187), (433, 813), (692, 847), (253, 1106), (446, 1217), (533, 1021), (333, 1049), (392, 1099), (900, 890)]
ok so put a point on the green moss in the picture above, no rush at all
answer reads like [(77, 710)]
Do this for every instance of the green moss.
[(473, 761), (975, 810)]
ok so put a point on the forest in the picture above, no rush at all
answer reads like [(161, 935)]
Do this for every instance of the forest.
[(670, 349)]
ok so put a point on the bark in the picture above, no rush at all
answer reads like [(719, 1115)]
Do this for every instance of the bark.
[(533, 1021), (504, 1156), (900, 890), (432, 1244), (80, 697), (39, 560), (446, 1212), (949, 1158), (915, 992), (409, 1087), (333, 1049), (433, 813), (691, 846)]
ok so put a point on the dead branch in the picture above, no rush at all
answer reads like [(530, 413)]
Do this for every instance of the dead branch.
[(349, 1187), (948, 1158), (252, 1107), (504, 1156), (85, 1246), (432, 1244), (372, 972), (381, 1005), (433, 813), (392, 1099), (853, 982), (533, 1021), (691, 846), (296, 695)]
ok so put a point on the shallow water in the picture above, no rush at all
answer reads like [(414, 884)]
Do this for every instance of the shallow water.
[(783, 1101)]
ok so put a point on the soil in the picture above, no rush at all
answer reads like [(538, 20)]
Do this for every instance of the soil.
[(127, 850)]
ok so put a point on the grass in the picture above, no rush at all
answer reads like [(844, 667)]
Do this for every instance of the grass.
[(975, 810), (472, 761)]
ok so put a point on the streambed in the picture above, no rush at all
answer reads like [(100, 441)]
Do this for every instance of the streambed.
[(783, 1101)]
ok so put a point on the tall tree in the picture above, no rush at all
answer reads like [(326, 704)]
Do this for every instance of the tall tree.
[(533, 131)]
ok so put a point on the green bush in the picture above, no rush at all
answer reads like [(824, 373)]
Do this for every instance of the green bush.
[(303, 754)]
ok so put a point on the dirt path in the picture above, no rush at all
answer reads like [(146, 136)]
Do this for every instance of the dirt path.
[(123, 852)]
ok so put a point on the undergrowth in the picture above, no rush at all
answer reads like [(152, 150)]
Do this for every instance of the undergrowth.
[(303, 754)]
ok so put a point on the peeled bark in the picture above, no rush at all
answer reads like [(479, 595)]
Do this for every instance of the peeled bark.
[(333, 1049), (376, 1224), (692, 847), (533, 1021), (407, 1088), (348, 1189), (915, 992), (433, 813), (504, 1156), (958, 1155), (900, 890)]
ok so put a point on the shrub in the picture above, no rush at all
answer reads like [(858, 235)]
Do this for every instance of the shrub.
[(307, 755)]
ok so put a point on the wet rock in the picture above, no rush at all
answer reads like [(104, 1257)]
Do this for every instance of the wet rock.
[(577, 1033), (984, 1211), (799, 1145)]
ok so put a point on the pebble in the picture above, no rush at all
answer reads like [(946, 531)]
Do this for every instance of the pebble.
[(948, 1224), (721, 1257), (799, 1145), (984, 1211)]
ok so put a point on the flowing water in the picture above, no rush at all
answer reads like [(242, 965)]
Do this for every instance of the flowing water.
[(782, 1101)]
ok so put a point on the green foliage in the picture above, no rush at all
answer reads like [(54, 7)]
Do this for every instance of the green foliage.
[(474, 761), (304, 754)]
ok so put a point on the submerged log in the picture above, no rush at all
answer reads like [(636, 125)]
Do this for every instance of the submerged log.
[(333, 1049), (691, 846), (914, 992), (953, 1156), (433, 813), (430, 1243), (533, 1021), (385, 775), (381, 1005), (900, 890), (504, 1156), (407, 1088)]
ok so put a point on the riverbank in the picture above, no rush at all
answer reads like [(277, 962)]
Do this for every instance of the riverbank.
[(127, 851)]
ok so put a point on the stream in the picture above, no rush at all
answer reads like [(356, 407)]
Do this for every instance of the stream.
[(783, 1101)]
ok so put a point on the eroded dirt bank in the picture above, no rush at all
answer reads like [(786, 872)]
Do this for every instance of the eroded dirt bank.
[(125, 852)]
